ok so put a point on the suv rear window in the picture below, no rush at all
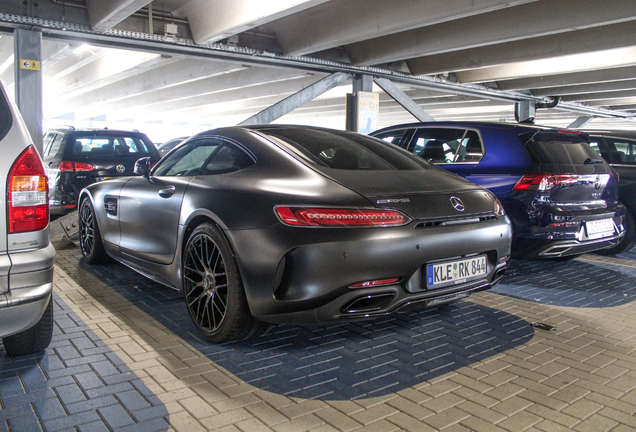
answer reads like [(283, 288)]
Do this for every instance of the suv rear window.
[(345, 151), (550, 148), (109, 145)]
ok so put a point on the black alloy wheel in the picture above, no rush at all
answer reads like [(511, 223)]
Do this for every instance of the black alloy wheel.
[(207, 282), (89, 236), (213, 289)]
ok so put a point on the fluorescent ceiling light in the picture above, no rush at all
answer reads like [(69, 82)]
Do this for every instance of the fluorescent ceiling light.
[(552, 66)]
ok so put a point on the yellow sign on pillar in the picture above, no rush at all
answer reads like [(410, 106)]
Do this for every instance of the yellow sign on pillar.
[(29, 64)]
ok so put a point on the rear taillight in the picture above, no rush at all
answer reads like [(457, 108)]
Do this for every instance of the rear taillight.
[(545, 182), (349, 217), (75, 166), (27, 194)]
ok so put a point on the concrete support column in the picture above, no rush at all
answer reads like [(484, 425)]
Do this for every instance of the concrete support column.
[(28, 81)]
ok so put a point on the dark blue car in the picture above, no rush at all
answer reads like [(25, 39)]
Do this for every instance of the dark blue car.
[(561, 196)]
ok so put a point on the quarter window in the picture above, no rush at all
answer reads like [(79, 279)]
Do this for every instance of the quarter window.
[(441, 146), (394, 137), (53, 144), (226, 159)]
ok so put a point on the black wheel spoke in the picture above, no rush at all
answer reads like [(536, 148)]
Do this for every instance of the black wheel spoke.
[(205, 283)]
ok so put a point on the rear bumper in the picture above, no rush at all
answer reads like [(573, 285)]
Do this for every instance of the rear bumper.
[(308, 283), (556, 242), (61, 203), (30, 288)]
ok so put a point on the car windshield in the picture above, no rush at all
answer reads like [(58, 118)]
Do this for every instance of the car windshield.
[(110, 145), (345, 151)]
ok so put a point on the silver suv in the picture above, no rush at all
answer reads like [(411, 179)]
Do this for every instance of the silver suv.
[(26, 254)]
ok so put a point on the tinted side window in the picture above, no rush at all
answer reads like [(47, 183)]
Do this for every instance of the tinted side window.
[(598, 145), (226, 159), (55, 144), (188, 160), (47, 140), (443, 145), (623, 151), (394, 137)]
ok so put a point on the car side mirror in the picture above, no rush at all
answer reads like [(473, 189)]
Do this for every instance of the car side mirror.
[(142, 167)]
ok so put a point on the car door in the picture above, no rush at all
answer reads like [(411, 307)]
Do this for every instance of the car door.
[(150, 207), (622, 153)]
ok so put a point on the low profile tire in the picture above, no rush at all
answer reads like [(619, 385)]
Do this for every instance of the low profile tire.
[(89, 236), (32, 340), (629, 240), (213, 289)]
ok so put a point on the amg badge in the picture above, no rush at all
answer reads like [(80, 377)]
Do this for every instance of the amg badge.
[(393, 200)]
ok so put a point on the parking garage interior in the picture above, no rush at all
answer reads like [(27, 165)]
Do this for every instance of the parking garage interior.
[(550, 348)]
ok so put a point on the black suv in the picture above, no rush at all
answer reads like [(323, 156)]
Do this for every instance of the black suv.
[(618, 147), (75, 158)]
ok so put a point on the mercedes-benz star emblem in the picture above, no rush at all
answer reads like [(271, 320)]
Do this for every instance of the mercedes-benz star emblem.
[(120, 168), (457, 203)]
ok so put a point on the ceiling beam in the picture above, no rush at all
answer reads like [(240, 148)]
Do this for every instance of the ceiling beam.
[(105, 14), (585, 97), (149, 77), (574, 42), (586, 88), (297, 100), (545, 17), (59, 31), (244, 84), (406, 102), (320, 28), (566, 79), (213, 21), (612, 102)]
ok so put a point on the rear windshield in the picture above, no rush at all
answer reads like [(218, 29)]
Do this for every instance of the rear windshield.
[(110, 145), (551, 148), (345, 150)]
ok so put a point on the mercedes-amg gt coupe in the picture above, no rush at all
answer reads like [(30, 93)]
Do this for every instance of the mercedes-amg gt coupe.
[(299, 225)]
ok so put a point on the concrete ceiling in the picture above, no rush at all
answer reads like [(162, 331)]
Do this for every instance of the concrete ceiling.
[(583, 51)]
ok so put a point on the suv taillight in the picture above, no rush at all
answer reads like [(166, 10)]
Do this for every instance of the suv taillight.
[(27, 194), (545, 182), (75, 166)]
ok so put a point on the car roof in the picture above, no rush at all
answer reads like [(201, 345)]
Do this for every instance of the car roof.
[(618, 133), (474, 124), (72, 129)]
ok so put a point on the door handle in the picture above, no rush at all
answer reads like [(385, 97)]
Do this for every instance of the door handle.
[(167, 192)]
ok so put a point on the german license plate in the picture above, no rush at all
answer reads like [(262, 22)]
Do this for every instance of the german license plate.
[(456, 272), (599, 226)]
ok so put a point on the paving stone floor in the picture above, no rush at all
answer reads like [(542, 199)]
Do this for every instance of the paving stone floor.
[(125, 356)]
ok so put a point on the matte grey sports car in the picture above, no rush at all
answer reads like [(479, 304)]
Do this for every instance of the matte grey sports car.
[(290, 224)]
